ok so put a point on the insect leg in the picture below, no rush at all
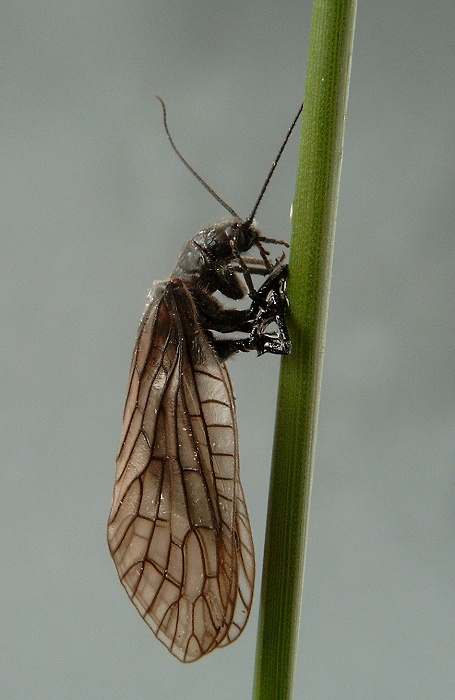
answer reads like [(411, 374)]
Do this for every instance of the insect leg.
[(268, 302), (226, 347), (276, 277), (268, 308), (212, 315)]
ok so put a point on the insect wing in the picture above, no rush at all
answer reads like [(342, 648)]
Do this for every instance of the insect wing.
[(178, 530)]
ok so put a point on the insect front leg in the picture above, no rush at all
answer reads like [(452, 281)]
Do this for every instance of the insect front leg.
[(274, 284)]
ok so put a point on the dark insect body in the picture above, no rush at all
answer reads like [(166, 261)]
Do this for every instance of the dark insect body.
[(178, 530)]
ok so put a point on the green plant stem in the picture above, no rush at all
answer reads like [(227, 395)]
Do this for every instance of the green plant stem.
[(313, 219)]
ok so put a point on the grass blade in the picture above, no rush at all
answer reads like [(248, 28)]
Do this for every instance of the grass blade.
[(314, 216)]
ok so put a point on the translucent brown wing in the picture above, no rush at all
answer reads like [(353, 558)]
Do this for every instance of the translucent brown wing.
[(178, 530)]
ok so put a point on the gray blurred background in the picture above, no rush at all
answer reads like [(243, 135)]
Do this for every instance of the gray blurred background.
[(95, 206)]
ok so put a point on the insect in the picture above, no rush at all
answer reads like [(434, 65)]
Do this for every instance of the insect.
[(178, 530)]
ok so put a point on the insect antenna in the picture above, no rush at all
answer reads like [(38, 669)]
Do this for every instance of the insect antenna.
[(249, 220), (190, 168)]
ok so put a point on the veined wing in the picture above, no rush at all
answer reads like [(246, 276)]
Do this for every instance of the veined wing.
[(178, 530)]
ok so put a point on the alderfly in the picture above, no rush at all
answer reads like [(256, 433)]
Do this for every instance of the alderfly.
[(178, 530)]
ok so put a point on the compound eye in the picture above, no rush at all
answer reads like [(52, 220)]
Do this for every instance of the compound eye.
[(229, 231)]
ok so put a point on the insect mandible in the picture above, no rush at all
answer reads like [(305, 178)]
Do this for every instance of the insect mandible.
[(178, 529)]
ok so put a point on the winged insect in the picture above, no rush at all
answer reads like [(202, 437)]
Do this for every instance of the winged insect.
[(178, 530)]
